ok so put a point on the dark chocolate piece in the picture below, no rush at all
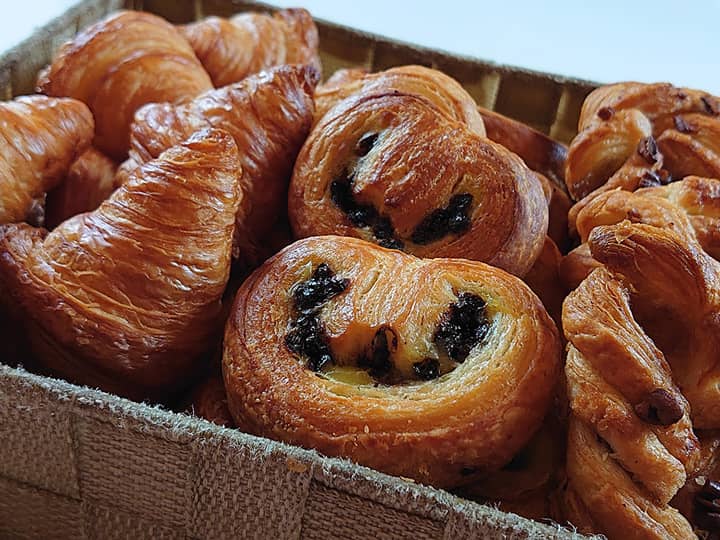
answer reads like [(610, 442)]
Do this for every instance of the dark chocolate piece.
[(606, 113), (462, 326), (647, 148), (377, 359), (427, 369), (454, 218), (317, 290)]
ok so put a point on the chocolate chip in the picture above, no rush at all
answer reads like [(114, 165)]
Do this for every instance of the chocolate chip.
[(647, 148), (711, 105), (453, 218), (706, 512), (378, 357), (317, 290), (606, 113), (307, 338), (660, 408), (365, 144), (462, 326), (427, 369), (682, 126)]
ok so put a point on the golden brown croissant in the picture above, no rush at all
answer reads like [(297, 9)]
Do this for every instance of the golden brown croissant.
[(544, 279), (41, 137), (127, 297), (87, 184), (117, 65), (231, 49), (435, 370), (690, 208), (269, 115), (392, 168), (444, 92), (644, 358)]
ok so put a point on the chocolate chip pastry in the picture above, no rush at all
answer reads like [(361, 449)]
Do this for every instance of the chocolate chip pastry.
[(438, 370)]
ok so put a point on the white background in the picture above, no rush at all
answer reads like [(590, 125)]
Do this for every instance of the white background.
[(602, 41)]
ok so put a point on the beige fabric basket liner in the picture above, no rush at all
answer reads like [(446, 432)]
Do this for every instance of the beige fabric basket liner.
[(80, 463)]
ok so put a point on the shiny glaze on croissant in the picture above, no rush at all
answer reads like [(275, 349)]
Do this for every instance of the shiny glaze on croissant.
[(642, 370), (88, 182), (343, 346), (117, 65), (269, 115), (231, 49), (690, 208), (127, 297), (40, 138), (394, 169), (444, 92)]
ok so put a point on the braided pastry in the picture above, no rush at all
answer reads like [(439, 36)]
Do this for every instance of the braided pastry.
[(644, 333), (231, 49), (393, 168), (127, 297), (690, 208), (41, 138), (117, 65), (86, 185), (436, 370), (269, 143)]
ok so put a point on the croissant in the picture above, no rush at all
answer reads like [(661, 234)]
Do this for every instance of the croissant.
[(127, 297), (41, 138), (393, 168), (637, 135), (231, 49), (88, 182), (435, 370), (544, 279), (690, 208), (120, 63), (644, 333), (444, 92), (269, 115)]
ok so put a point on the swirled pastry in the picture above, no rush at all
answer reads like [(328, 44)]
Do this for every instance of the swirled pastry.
[(40, 137), (117, 65), (231, 49), (690, 208), (643, 360), (127, 297), (444, 92), (269, 115), (87, 184), (436, 370), (392, 168)]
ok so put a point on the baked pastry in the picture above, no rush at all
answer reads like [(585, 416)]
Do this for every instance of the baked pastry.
[(127, 297), (642, 370), (391, 167), (209, 401), (437, 370), (41, 137), (269, 115), (117, 65), (635, 135), (88, 182), (690, 208), (231, 49), (544, 279), (444, 92)]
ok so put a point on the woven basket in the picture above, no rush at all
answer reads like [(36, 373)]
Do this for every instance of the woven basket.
[(80, 463)]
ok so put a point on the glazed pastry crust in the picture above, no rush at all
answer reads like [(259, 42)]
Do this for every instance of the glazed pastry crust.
[(231, 49), (472, 419), (86, 185), (40, 138), (419, 161), (268, 143), (117, 65), (127, 297)]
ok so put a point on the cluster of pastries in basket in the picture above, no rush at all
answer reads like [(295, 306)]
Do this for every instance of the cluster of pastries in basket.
[(375, 267)]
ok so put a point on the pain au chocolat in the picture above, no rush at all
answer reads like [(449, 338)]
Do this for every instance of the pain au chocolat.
[(437, 370), (127, 297), (401, 165)]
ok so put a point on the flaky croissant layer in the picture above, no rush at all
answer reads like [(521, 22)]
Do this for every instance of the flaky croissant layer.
[(127, 297), (431, 369), (40, 137)]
